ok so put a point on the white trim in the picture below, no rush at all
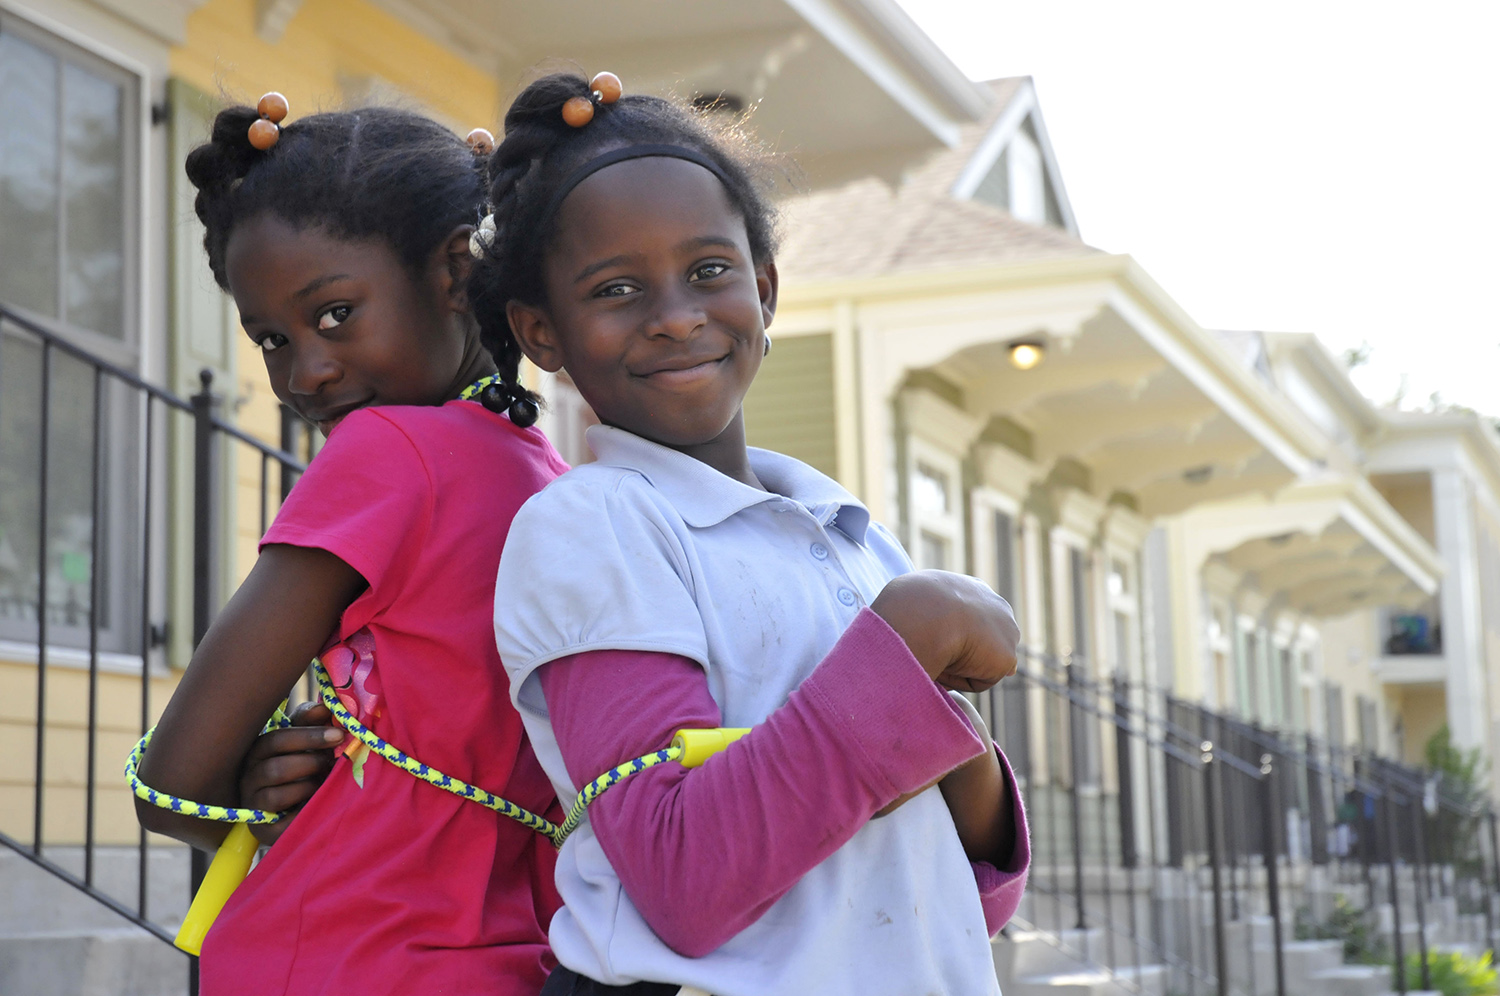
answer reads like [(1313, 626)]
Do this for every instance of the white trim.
[(24, 655), (1022, 104)]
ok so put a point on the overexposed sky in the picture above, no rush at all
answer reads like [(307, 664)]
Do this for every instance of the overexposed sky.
[(1313, 166)]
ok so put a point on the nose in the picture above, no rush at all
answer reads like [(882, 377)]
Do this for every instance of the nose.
[(313, 368), (677, 316)]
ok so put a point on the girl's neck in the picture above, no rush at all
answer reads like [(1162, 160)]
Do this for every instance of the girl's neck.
[(727, 453), (477, 363)]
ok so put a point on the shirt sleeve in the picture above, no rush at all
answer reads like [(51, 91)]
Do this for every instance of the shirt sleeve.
[(1001, 886), (703, 853), (593, 562), (367, 499)]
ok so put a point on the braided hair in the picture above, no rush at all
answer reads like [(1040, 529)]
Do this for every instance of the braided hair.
[(374, 172), (540, 150)]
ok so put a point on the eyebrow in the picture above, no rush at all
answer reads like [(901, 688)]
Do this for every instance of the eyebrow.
[(317, 282), (700, 242)]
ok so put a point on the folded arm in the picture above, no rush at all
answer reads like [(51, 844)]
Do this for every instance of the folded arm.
[(703, 853)]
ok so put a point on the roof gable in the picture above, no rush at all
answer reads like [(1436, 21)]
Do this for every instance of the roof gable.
[(1018, 117)]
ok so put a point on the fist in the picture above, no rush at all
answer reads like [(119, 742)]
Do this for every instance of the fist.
[(285, 767), (963, 634)]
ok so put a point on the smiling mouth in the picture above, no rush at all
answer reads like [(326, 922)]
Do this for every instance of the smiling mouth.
[(675, 375)]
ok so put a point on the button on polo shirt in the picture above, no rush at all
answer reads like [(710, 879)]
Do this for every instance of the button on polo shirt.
[(649, 549)]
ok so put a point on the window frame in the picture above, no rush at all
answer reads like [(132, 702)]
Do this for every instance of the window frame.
[(120, 475), (946, 526)]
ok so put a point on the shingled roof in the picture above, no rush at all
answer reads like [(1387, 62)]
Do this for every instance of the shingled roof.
[(868, 228)]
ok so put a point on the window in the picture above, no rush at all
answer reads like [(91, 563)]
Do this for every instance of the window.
[(930, 491), (1078, 583), (934, 552), (935, 509), (1028, 181), (1005, 557), (68, 146)]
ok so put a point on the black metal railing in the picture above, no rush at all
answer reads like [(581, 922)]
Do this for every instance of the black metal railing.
[(1168, 837), (145, 576)]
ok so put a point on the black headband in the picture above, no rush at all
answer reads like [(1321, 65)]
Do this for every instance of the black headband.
[(613, 156)]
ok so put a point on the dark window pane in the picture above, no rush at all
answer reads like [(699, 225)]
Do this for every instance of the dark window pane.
[(28, 176), (70, 477), (1005, 566), (93, 185)]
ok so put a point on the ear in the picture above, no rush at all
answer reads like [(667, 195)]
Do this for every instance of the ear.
[(534, 333), (767, 284), (451, 264)]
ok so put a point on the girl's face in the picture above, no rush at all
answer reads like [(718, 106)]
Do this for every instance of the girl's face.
[(654, 305), (345, 324)]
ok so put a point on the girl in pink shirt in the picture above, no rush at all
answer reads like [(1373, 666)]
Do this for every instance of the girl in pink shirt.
[(346, 246)]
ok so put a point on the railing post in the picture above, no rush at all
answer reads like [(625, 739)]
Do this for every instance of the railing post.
[(1212, 799), (205, 563), (1490, 888), (1419, 887), (1269, 848), (1077, 744), (1129, 855), (1389, 804)]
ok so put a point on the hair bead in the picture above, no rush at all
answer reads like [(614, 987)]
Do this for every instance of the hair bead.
[(273, 107), (482, 141), (606, 87), (495, 398), (578, 111), (523, 412), (265, 133)]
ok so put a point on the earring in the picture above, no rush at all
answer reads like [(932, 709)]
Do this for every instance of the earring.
[(767, 351)]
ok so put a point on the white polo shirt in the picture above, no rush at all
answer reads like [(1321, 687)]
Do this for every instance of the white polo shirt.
[(649, 549)]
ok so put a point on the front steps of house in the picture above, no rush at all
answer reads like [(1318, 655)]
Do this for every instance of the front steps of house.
[(56, 941)]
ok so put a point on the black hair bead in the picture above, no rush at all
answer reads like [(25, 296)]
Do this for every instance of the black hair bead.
[(495, 397), (523, 412)]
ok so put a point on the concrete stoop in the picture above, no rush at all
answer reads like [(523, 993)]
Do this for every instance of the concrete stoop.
[(57, 941), (101, 961), (1050, 963)]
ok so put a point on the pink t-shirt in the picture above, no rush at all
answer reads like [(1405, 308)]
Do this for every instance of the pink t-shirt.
[(384, 883)]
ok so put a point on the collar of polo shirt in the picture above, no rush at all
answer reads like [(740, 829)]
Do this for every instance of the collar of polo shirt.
[(704, 497)]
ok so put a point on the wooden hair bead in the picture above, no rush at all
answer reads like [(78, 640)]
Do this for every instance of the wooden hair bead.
[(264, 134), (273, 107), (607, 87), (482, 141), (578, 111)]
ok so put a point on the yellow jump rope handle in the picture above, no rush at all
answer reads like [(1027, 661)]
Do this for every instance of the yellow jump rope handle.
[(228, 870), (698, 746)]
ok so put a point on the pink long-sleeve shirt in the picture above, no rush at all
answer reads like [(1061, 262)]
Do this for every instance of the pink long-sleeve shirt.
[(703, 853)]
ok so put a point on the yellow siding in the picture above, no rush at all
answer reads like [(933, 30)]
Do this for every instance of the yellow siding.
[(791, 407), (332, 49), (66, 751)]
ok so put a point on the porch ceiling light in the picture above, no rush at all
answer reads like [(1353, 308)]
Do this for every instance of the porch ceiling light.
[(1027, 355)]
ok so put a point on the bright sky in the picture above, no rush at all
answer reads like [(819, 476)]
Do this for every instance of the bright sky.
[(1310, 166)]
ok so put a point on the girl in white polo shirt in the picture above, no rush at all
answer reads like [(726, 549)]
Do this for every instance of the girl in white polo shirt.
[(685, 580)]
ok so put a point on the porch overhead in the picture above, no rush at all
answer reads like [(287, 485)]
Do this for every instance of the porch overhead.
[(1131, 387), (1321, 548), (849, 87)]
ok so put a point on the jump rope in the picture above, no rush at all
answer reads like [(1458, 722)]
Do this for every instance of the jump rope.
[(231, 864)]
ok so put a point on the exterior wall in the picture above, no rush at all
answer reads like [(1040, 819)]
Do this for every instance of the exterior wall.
[(791, 407)]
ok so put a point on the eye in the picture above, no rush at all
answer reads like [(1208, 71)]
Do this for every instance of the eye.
[(616, 290), (271, 343), (333, 317), (707, 272)]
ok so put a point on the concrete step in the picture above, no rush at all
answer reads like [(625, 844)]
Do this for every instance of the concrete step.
[(1352, 980), (1151, 979), (106, 961), (34, 900), (1042, 952)]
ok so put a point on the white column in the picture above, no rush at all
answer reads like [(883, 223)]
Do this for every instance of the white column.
[(1456, 540)]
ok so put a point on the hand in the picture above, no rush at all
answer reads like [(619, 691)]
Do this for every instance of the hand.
[(961, 632), (285, 767)]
